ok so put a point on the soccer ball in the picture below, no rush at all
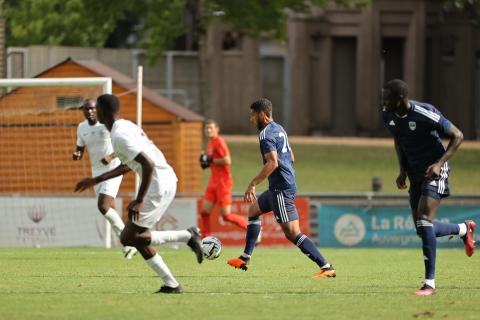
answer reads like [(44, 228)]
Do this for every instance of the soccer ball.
[(211, 247)]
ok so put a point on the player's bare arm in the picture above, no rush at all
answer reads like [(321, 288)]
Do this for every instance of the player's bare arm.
[(268, 168), (78, 154), (402, 175), (456, 139), (90, 181), (147, 173)]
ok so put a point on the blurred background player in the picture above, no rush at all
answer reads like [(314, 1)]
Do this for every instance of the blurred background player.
[(416, 128), (219, 188), (94, 136), (279, 198), (157, 190)]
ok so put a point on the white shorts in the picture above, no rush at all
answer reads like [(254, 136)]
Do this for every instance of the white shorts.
[(109, 187), (156, 203)]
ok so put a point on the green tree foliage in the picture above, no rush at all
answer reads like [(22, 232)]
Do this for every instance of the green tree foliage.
[(163, 23), (62, 22)]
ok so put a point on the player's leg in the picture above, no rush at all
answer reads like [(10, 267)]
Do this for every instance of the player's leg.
[(106, 205), (441, 229), (287, 216), (190, 236), (439, 187), (262, 205), (207, 206), (157, 206), (139, 237), (224, 201), (107, 191), (232, 218), (292, 232), (426, 211)]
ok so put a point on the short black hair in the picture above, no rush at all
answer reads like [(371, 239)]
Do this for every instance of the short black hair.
[(398, 89), (262, 104), (86, 102), (109, 102)]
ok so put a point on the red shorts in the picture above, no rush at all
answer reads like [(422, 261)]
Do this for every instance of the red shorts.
[(219, 194)]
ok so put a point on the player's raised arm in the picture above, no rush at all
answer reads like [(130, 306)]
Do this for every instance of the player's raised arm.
[(270, 165)]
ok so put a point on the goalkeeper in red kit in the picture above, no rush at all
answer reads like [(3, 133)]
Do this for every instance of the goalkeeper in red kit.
[(219, 188)]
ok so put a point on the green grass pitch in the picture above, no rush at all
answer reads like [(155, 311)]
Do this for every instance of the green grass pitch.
[(371, 284)]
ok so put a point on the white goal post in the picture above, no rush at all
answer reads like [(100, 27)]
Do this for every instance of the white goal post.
[(25, 201), (106, 82)]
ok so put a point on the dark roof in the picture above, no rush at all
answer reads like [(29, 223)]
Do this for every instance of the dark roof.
[(128, 83)]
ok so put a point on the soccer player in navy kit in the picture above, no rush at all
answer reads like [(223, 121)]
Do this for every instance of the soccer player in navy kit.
[(279, 198), (416, 128)]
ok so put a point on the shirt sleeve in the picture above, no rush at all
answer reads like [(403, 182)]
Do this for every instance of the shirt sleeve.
[(267, 145), (443, 125), (126, 146), (387, 126), (80, 141), (222, 149)]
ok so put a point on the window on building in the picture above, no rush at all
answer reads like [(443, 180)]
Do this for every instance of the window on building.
[(73, 102)]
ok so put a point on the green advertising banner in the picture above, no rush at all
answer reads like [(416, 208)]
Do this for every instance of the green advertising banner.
[(349, 226)]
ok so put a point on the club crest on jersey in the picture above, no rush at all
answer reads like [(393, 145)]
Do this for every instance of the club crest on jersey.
[(412, 125)]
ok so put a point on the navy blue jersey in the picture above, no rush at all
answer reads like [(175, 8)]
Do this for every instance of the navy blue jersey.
[(274, 138), (418, 135)]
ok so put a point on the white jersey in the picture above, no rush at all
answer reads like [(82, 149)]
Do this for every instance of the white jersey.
[(97, 140), (128, 141)]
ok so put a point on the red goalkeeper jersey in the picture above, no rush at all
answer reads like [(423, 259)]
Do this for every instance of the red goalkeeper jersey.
[(217, 148)]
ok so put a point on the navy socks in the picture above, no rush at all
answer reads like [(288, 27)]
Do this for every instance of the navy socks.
[(310, 250), (429, 246), (253, 229)]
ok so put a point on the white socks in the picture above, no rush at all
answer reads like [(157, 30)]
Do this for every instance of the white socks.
[(161, 237), (160, 268), (115, 220), (430, 282), (463, 229)]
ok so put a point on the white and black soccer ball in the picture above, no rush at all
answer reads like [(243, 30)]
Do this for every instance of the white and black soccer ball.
[(211, 247)]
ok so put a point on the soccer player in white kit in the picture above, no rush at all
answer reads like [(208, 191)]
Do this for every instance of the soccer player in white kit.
[(157, 190), (93, 135)]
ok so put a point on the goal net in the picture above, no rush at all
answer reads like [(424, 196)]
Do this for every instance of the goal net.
[(38, 129)]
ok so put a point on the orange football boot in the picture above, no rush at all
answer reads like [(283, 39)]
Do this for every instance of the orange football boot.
[(426, 290), (325, 273), (238, 263)]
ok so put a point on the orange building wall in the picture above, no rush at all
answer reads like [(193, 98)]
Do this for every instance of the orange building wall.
[(35, 150)]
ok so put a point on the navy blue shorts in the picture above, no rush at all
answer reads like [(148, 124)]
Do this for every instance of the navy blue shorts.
[(436, 188), (281, 202)]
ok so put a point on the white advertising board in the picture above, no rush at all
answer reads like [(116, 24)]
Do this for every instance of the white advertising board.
[(51, 222)]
